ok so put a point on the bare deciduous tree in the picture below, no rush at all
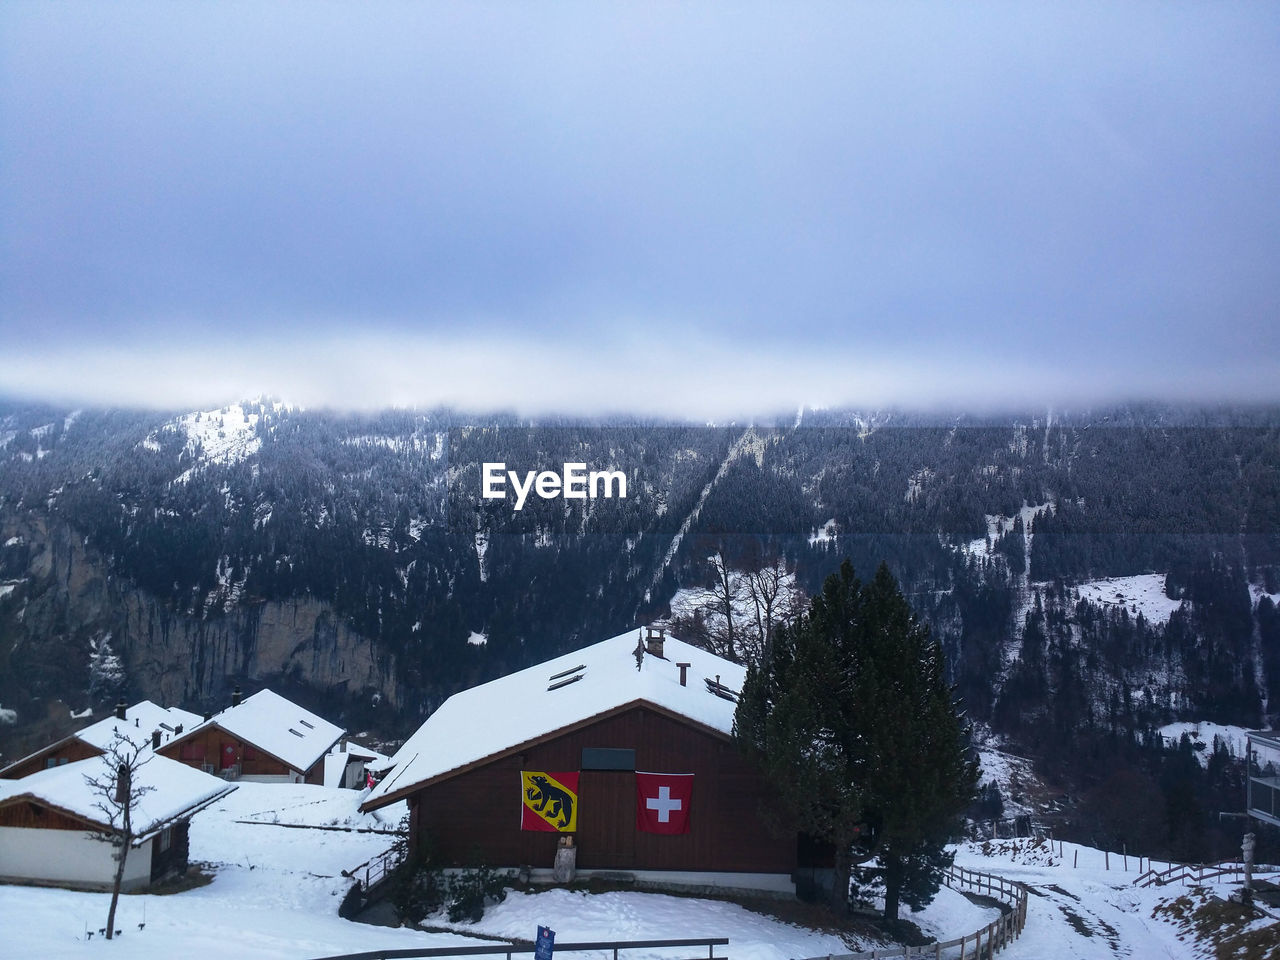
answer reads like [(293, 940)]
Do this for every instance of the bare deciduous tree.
[(738, 614), (775, 599), (118, 791)]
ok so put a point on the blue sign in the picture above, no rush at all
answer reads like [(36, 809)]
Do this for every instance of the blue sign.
[(543, 946)]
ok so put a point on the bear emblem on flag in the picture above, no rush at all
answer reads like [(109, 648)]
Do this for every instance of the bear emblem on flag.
[(663, 801), (549, 801)]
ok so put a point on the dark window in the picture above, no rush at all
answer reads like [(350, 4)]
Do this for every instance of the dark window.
[(608, 758)]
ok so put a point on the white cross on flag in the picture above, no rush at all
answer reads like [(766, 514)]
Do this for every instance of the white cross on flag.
[(662, 802)]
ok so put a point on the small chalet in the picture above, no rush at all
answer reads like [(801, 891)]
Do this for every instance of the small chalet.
[(265, 738), (50, 823), (350, 765), (622, 751), (142, 722)]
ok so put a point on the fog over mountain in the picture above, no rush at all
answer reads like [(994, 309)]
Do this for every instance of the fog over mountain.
[(497, 207)]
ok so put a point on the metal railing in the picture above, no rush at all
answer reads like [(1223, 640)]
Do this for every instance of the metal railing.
[(511, 950), (376, 869)]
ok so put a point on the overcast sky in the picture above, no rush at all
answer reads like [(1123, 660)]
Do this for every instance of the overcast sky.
[(690, 208)]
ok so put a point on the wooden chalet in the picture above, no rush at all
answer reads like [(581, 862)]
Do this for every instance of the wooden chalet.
[(631, 704), (50, 822), (143, 722), (264, 738)]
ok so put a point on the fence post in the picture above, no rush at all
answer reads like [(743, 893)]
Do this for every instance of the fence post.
[(1107, 854), (1075, 863)]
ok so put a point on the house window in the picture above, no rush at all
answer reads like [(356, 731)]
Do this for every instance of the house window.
[(165, 840)]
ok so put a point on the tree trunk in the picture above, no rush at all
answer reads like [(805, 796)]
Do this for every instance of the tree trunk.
[(839, 898), (115, 887), (892, 886)]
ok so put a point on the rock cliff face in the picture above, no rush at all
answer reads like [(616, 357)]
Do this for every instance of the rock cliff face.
[(64, 604)]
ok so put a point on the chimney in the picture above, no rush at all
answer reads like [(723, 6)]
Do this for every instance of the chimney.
[(177, 730), (235, 696), (155, 739), (654, 636), (208, 715), (684, 667), (122, 784), (120, 708)]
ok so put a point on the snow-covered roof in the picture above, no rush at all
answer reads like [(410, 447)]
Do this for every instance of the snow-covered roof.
[(178, 790), (279, 727), (140, 720), (521, 707)]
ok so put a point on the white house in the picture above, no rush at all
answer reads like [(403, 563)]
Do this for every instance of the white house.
[(349, 765), (50, 822)]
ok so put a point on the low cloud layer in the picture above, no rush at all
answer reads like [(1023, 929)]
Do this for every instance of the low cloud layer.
[(689, 378), (564, 205)]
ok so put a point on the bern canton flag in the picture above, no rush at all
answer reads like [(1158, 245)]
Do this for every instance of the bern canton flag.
[(662, 802)]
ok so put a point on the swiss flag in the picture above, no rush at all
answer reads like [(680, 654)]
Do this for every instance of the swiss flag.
[(662, 802)]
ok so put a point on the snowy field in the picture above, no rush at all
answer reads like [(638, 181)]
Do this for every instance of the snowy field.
[(276, 889), (1083, 912), (1204, 734), (1013, 774), (1141, 594)]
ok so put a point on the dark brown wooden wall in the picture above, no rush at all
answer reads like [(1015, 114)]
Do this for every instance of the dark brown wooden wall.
[(71, 751), (475, 817), (174, 860), (25, 813), (212, 739)]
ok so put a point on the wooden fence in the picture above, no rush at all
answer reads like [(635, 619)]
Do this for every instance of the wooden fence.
[(984, 942), (1188, 873)]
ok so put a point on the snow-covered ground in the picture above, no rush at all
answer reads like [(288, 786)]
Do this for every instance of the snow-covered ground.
[(998, 526), (826, 533), (1203, 734), (579, 916), (276, 889), (1256, 593), (227, 435), (1143, 594), (1083, 912), (1013, 774)]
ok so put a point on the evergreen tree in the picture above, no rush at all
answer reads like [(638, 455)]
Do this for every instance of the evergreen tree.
[(850, 714)]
